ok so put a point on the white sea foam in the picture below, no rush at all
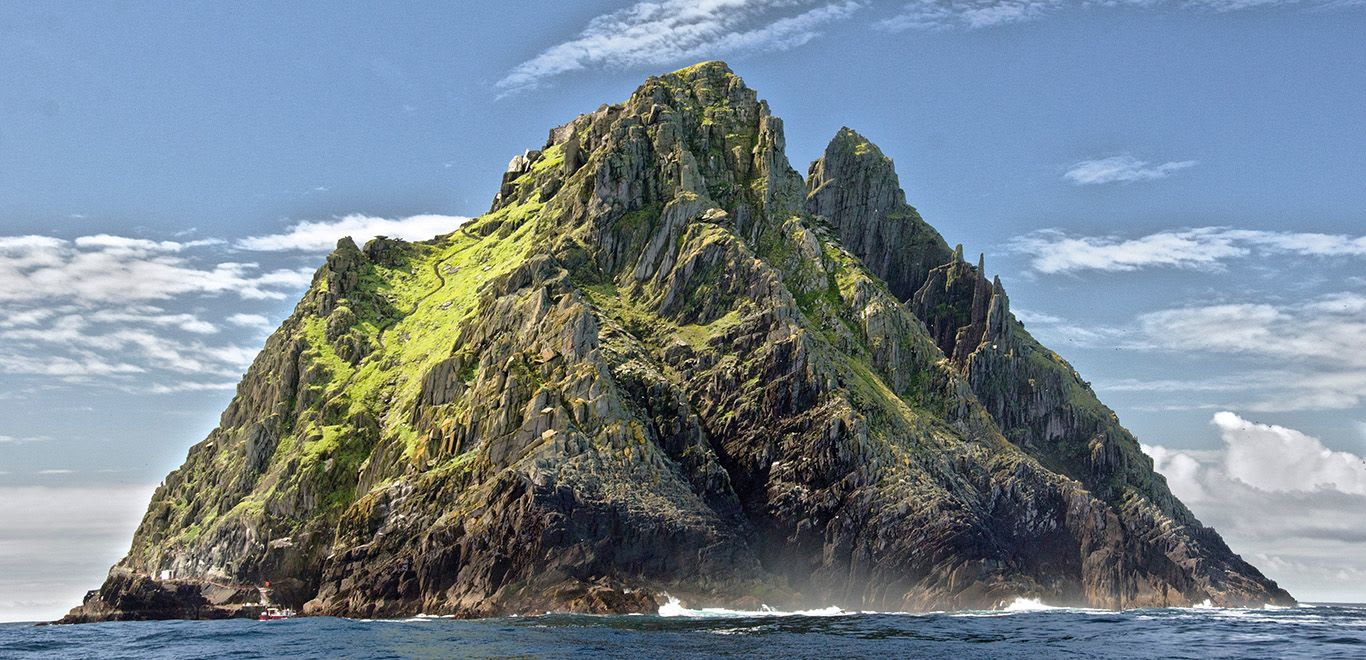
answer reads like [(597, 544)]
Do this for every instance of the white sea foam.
[(674, 608), (1022, 604)]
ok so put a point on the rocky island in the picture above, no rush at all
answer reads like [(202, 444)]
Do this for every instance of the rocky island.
[(665, 363)]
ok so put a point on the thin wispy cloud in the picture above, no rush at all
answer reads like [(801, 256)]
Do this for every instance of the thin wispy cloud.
[(94, 269), (1281, 496), (653, 34), (977, 14), (249, 321), (1320, 338), (1121, 169), (191, 386), (126, 312), (967, 14), (81, 335), (1310, 351), (1329, 328), (1201, 248), (322, 235), (25, 440)]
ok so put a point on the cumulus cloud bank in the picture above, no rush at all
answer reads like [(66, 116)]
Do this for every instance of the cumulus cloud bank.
[(1279, 459), (1200, 248), (672, 31), (1281, 498), (322, 235)]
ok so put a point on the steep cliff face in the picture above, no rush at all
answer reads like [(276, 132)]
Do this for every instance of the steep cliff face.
[(1037, 400), (854, 187), (664, 363)]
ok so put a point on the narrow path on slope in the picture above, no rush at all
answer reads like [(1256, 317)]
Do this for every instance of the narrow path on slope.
[(441, 279), (441, 283)]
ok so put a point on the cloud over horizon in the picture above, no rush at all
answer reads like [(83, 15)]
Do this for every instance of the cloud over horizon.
[(322, 235), (1199, 248), (1295, 356), (1280, 497)]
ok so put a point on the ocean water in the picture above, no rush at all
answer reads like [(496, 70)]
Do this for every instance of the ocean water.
[(1027, 629)]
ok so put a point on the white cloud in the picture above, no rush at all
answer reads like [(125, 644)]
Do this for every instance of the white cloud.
[(113, 243), (156, 317), (95, 269), (1306, 354), (12, 440), (1123, 169), (1281, 498), (1330, 329), (671, 31), (82, 366), (1201, 248), (1031, 316), (1275, 458), (249, 321), (82, 334), (190, 386), (322, 235), (968, 14), (21, 317), (79, 311)]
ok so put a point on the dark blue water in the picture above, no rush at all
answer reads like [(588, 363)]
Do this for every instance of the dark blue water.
[(1317, 632)]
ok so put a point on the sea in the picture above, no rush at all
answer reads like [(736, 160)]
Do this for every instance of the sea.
[(1027, 629)]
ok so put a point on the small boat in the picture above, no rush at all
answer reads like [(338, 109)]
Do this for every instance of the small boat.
[(273, 613)]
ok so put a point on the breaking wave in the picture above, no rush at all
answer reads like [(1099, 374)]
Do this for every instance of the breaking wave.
[(674, 608)]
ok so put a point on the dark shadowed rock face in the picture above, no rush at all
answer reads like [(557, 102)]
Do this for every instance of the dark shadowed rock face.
[(663, 363)]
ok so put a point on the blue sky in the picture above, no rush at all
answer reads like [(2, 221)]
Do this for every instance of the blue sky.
[(1172, 192)]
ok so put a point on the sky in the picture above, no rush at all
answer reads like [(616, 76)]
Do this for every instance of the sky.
[(1172, 193)]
